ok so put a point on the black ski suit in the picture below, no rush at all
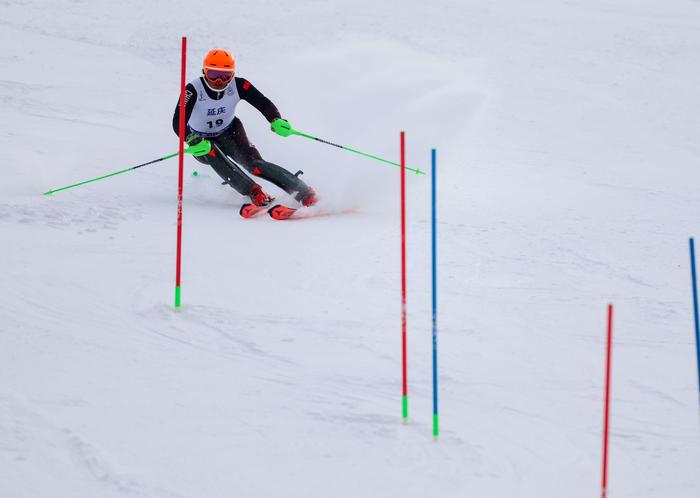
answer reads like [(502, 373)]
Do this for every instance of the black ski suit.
[(234, 142)]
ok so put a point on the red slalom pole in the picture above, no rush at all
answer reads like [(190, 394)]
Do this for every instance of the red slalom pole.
[(181, 167), (404, 397), (606, 420)]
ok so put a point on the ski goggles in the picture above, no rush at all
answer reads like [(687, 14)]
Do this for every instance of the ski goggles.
[(218, 74)]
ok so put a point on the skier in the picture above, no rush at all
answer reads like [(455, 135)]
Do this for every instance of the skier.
[(211, 102)]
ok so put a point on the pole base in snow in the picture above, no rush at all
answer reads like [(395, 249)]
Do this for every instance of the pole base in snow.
[(436, 425), (177, 296), (404, 408)]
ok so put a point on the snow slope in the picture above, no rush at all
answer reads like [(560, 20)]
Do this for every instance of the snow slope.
[(568, 154)]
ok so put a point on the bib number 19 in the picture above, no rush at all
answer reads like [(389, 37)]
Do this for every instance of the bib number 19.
[(218, 122)]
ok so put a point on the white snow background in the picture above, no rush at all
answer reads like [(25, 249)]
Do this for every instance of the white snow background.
[(568, 145)]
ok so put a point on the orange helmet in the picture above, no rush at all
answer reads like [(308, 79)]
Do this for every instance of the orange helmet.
[(218, 68)]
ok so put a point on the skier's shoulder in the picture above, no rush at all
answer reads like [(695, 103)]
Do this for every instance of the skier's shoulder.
[(242, 84), (197, 84), (190, 91)]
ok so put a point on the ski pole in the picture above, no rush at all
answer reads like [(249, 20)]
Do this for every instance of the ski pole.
[(287, 130), (199, 149)]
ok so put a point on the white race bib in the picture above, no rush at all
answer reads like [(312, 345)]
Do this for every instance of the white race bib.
[(210, 117)]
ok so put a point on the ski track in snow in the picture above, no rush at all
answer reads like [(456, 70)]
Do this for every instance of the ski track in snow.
[(80, 218)]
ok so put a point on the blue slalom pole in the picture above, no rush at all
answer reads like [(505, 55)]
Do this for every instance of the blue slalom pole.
[(695, 306), (436, 422)]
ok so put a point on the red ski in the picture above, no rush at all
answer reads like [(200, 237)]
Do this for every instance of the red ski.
[(277, 212), (280, 212), (249, 210)]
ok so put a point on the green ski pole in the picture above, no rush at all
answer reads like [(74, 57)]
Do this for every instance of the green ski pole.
[(283, 128), (199, 149)]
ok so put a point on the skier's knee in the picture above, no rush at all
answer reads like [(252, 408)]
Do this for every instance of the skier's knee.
[(256, 167)]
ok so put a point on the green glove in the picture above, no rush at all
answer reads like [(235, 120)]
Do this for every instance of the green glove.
[(200, 148), (282, 127)]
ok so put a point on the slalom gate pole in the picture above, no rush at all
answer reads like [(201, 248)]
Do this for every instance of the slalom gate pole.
[(404, 366), (180, 176), (693, 275), (436, 422), (606, 417), (349, 149)]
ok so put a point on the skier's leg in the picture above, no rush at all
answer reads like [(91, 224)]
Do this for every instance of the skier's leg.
[(233, 176), (247, 155)]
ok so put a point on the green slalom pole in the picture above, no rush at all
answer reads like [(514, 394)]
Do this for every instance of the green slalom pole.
[(199, 149), (284, 129)]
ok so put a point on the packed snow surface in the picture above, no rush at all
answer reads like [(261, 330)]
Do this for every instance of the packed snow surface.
[(568, 177)]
